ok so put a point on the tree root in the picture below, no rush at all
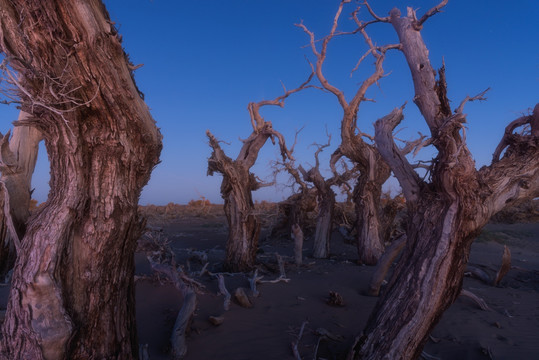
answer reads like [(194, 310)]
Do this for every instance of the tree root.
[(480, 302)]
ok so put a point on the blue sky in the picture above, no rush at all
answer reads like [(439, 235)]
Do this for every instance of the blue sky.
[(204, 61)]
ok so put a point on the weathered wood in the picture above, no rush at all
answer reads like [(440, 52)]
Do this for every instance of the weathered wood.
[(18, 156), (326, 204), (241, 297), (297, 235), (238, 184), (72, 294), (445, 215), (224, 291), (295, 344), (253, 281), (480, 302), (384, 263), (505, 266), (181, 326), (373, 169)]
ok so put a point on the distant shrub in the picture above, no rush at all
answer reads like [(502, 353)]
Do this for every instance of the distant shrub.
[(199, 203), (33, 204)]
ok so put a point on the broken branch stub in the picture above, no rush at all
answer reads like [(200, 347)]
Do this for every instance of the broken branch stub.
[(505, 267)]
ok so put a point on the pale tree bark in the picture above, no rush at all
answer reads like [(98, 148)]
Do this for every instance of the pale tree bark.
[(374, 171), (296, 208), (324, 220), (446, 214), (325, 197), (238, 184), (18, 156), (72, 293)]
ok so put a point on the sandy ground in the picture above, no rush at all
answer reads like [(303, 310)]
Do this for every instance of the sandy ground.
[(510, 330)]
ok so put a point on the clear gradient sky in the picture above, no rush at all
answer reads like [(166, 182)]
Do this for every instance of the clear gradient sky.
[(204, 61)]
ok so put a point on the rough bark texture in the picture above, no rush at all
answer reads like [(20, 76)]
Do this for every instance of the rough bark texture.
[(236, 188), (18, 157), (446, 214), (326, 205), (367, 193), (72, 294), (238, 183)]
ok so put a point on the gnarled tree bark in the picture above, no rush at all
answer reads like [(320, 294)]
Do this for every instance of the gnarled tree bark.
[(72, 294), (18, 156), (238, 183), (446, 214)]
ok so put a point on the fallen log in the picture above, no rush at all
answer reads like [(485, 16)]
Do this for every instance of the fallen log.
[(177, 339)]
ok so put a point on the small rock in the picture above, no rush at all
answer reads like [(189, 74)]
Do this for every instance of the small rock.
[(216, 320)]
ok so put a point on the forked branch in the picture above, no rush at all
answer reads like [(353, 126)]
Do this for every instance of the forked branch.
[(408, 178), (509, 136), (419, 23), (257, 121), (480, 97)]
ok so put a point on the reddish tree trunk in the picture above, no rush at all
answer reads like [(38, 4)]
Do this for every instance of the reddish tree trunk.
[(236, 188), (445, 215), (238, 183), (243, 224), (367, 196), (72, 294), (324, 219), (324, 225)]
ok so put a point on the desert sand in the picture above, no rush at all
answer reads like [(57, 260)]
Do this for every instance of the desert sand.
[(267, 330)]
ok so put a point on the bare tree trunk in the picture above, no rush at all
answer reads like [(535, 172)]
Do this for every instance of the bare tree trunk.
[(444, 215), (18, 156), (326, 205), (236, 188), (238, 183), (244, 226), (370, 242), (324, 225), (72, 294)]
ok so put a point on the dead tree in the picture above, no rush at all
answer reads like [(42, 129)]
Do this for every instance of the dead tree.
[(325, 198), (374, 171), (298, 204), (72, 291), (18, 156), (297, 207), (326, 204), (446, 213), (238, 183)]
